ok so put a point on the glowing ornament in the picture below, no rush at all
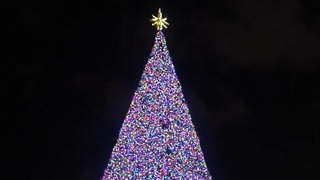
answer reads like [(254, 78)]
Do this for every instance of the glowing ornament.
[(159, 21)]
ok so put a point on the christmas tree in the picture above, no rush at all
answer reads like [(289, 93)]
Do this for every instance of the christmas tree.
[(157, 139)]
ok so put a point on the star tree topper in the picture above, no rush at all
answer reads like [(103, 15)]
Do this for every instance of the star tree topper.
[(159, 21)]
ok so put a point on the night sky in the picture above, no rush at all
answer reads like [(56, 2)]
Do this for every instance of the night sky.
[(249, 70)]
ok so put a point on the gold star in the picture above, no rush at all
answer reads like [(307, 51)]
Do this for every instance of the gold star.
[(159, 21)]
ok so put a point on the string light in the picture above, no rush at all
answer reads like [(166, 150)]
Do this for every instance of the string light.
[(157, 139)]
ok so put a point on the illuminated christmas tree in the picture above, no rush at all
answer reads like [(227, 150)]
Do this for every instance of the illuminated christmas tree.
[(157, 139)]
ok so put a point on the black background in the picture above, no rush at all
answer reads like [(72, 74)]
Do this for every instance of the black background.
[(249, 70)]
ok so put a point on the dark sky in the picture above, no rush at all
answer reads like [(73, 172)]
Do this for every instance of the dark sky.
[(249, 70)]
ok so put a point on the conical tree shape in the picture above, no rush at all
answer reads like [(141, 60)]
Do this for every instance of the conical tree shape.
[(157, 139)]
